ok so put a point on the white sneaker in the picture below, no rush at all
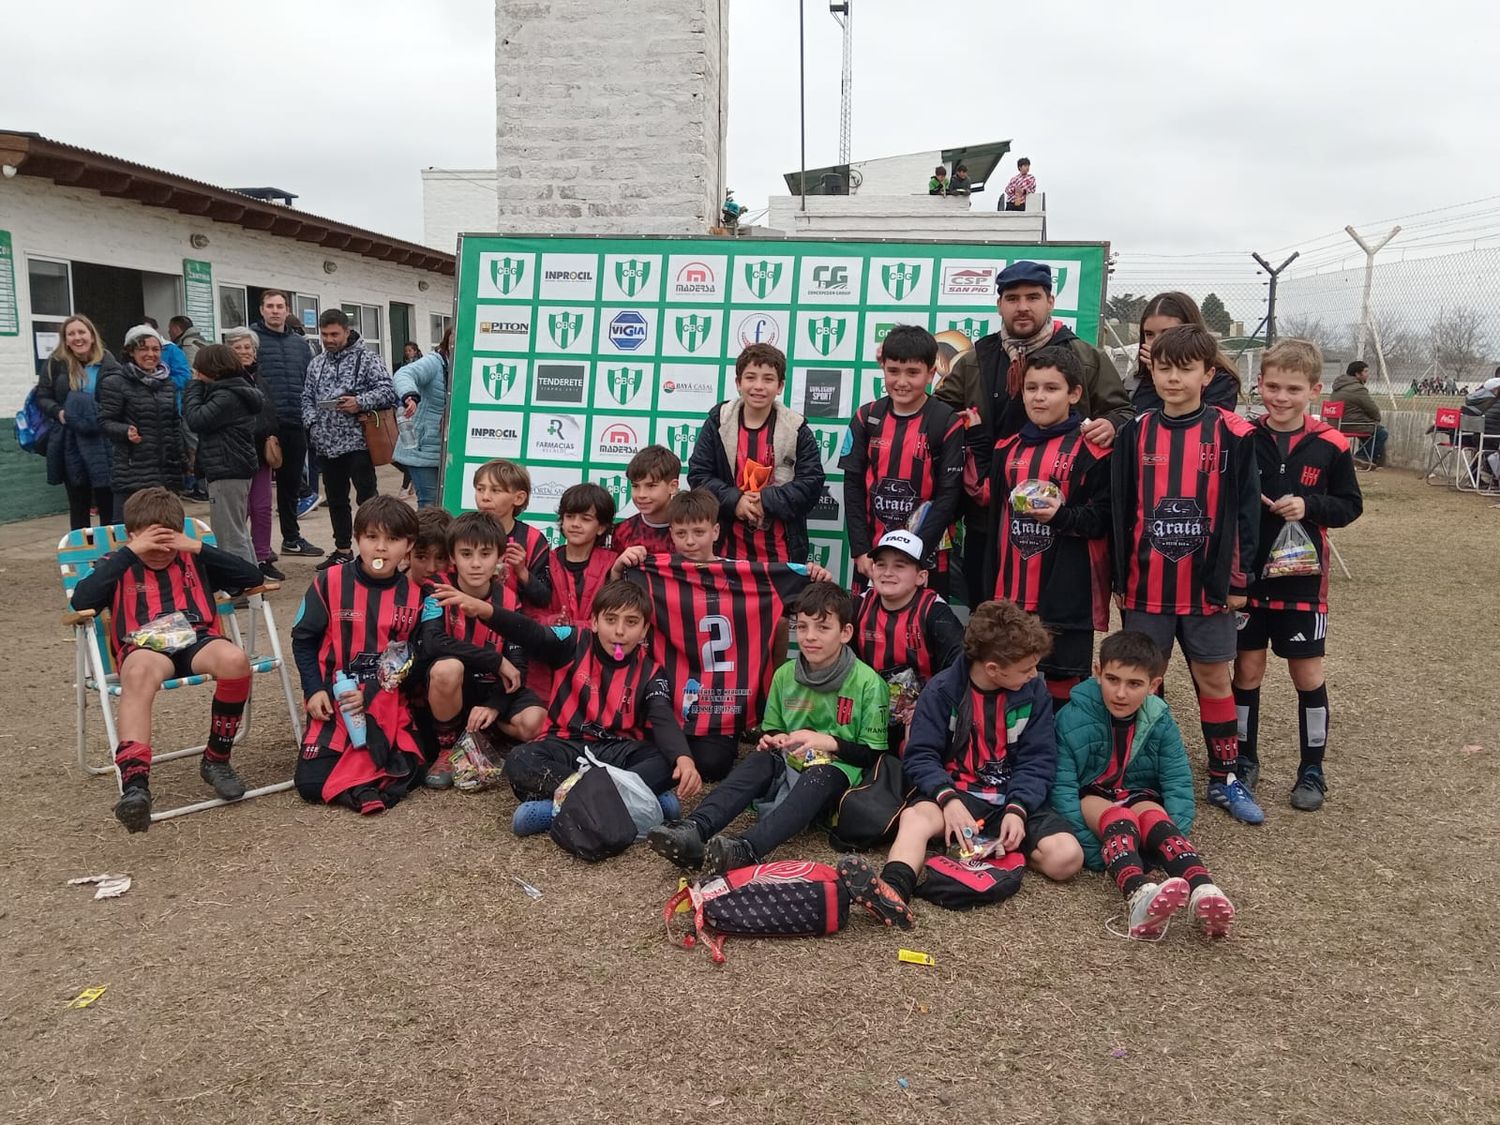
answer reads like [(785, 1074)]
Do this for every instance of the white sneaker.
[(1213, 910), (1152, 907)]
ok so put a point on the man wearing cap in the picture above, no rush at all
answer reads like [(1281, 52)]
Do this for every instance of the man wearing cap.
[(987, 380)]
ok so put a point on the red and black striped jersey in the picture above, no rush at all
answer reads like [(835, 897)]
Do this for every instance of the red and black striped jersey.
[(136, 594), (1315, 464), (536, 593), (738, 539), (1121, 739), (574, 588), (923, 635), (637, 532), (598, 697), (1058, 570), (893, 463), (714, 628), (1185, 501)]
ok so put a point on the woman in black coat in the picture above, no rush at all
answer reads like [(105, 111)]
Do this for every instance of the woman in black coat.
[(78, 453), (138, 411)]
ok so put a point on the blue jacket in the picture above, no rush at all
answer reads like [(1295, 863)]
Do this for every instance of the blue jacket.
[(1157, 761), (176, 362), (282, 364), (421, 443), (78, 452), (940, 733)]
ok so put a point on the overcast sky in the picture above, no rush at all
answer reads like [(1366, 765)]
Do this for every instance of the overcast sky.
[(1162, 127)]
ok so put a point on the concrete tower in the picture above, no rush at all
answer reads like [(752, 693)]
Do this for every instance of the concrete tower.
[(611, 116)]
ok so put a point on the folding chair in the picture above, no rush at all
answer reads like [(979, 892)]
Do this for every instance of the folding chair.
[(1474, 449), (95, 670), (1361, 444), (1442, 448)]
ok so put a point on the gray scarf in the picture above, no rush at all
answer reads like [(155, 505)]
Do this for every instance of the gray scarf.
[(825, 679), (157, 376)]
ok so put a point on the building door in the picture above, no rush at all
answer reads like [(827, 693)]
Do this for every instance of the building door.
[(403, 328), (111, 297)]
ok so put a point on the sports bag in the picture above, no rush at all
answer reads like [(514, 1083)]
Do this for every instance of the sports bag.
[(867, 813), (605, 811), (963, 884), (786, 898), (33, 427)]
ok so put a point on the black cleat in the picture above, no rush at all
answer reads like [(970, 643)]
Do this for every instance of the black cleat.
[(725, 853), (133, 809), (226, 783), (679, 841), (874, 893)]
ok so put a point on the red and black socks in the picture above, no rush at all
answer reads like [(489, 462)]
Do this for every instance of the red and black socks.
[(1312, 724), (1247, 721), (447, 731), (134, 762), (225, 716), (1172, 850), (1120, 835), (1220, 734)]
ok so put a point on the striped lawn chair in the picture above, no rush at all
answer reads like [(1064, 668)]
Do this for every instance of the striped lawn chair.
[(94, 665)]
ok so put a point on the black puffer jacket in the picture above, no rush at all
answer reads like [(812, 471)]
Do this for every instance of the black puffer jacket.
[(283, 358), (223, 413), (77, 450), (128, 398)]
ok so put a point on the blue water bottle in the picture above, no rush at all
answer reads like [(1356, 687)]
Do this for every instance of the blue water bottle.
[(354, 724)]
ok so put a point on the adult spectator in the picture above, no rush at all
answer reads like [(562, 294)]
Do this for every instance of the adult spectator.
[(938, 185), (1361, 415), (182, 333), (68, 393), (244, 344), (346, 380), (987, 379), (1022, 184), (179, 363), (959, 184), (422, 387), (1168, 310), (138, 413), (283, 358), (410, 353)]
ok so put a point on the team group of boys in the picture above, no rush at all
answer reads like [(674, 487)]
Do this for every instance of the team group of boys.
[(658, 644)]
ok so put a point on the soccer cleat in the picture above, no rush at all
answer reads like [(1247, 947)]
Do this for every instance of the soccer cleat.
[(1152, 907), (1248, 771), (306, 504), (338, 558), (220, 774), (725, 853), (133, 809), (269, 570), (874, 893), (671, 807), (1311, 788), (1235, 799), (301, 548), (679, 841), (1213, 910), (532, 817), (440, 773)]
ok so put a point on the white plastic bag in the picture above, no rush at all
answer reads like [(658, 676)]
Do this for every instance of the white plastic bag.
[(1293, 554)]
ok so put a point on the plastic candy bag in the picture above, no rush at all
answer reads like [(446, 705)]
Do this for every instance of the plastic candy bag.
[(808, 757), (474, 769), (974, 847), (1293, 553), (395, 663), (171, 632), (904, 691), (1028, 494), (561, 792)]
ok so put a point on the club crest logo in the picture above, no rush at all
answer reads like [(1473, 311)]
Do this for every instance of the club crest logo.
[(624, 383), (631, 275), (499, 379), (564, 328), (973, 327), (618, 488), (680, 439), (820, 553), (900, 278), (826, 333), (828, 443), (692, 331), (554, 534), (762, 277), (506, 273)]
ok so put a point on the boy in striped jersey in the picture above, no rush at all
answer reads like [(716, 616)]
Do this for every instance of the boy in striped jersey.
[(655, 474), (1306, 474), (1185, 502), (903, 626), (982, 756), (1052, 556), (161, 571), (903, 451), (503, 489)]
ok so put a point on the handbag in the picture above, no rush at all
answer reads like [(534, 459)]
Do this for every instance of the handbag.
[(868, 812), (379, 427), (273, 452)]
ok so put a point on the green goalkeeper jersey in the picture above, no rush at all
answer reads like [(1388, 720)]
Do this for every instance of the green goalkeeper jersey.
[(854, 710)]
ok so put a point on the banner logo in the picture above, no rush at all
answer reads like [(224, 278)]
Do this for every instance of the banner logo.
[(624, 383), (499, 378), (968, 281), (972, 327), (627, 331), (564, 327), (757, 329), (821, 394), (762, 277), (506, 273), (693, 279), (681, 439), (631, 275), (831, 279), (900, 278), (618, 439), (826, 333), (559, 382), (820, 553), (618, 488), (554, 535), (828, 443), (692, 331)]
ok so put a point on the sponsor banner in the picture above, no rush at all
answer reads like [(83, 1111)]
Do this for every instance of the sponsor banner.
[(558, 384), (556, 436), (827, 335), (829, 281), (900, 281), (757, 326), (617, 484), (968, 281), (879, 322), (502, 328), (692, 388), (679, 434), (627, 332), (506, 277), (564, 330), (548, 482), (821, 392), (829, 552), (569, 277), (697, 278), (632, 278), (624, 384), (614, 440), (494, 433), (828, 512), (689, 333), (830, 440), (499, 381), (766, 280)]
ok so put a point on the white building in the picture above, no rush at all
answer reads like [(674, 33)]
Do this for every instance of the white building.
[(84, 232)]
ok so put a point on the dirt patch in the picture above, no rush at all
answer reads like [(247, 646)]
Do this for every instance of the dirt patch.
[(276, 962)]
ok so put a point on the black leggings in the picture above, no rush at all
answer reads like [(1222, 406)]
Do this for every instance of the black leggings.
[(81, 498), (756, 777)]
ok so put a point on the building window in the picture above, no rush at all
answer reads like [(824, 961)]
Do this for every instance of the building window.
[(233, 306), (440, 324), (305, 306), (51, 287), (365, 319)]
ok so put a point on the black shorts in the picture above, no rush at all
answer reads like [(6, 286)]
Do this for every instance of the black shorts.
[(1072, 654), (478, 692), (1205, 638), (1292, 634), (1126, 797), (1039, 825), (182, 659)]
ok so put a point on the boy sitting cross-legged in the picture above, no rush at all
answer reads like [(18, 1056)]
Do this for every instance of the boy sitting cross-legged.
[(981, 754), (1125, 785), (161, 571), (825, 719), (655, 473)]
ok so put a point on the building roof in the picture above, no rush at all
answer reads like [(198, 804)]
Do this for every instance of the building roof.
[(34, 155), (836, 179)]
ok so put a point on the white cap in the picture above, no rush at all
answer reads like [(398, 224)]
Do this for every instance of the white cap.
[(906, 542), (140, 332)]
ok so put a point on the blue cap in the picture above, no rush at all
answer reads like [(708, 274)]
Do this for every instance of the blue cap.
[(1024, 273)]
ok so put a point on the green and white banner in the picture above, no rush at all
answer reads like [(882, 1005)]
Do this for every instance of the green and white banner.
[(573, 353)]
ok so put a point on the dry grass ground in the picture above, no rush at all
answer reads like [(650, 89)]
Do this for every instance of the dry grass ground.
[(276, 962)]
